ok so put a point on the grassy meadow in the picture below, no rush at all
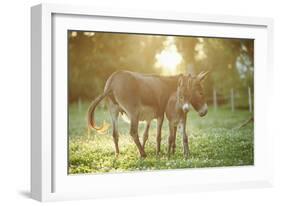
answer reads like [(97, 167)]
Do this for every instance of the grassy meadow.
[(214, 141)]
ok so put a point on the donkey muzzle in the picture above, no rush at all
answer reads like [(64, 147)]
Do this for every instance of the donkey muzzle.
[(185, 107), (203, 110)]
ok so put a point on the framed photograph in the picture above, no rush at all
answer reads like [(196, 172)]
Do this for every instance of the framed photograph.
[(138, 102)]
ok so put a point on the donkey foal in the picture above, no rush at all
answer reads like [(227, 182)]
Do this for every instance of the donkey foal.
[(176, 111)]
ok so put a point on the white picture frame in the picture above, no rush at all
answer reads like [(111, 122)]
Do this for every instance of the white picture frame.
[(49, 179)]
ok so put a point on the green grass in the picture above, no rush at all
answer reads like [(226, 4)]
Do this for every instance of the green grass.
[(213, 142)]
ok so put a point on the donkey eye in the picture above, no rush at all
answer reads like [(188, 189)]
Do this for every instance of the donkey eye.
[(181, 97)]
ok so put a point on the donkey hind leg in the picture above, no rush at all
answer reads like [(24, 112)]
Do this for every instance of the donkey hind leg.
[(171, 138), (114, 113), (146, 133), (135, 136), (158, 138)]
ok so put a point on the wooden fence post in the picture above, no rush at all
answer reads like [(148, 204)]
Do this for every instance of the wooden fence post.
[(250, 99), (232, 99), (215, 99)]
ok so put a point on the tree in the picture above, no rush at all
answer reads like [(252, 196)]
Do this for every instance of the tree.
[(94, 56)]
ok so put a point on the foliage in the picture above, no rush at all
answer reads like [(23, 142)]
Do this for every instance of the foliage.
[(94, 56), (214, 142)]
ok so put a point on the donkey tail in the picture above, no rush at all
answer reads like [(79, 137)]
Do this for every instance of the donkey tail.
[(91, 112)]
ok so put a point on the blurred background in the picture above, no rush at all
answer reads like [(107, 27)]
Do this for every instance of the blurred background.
[(94, 56)]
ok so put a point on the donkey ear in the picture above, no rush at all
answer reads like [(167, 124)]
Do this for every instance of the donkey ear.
[(202, 75), (180, 81)]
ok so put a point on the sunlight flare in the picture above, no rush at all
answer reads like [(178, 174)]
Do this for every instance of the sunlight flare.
[(169, 58)]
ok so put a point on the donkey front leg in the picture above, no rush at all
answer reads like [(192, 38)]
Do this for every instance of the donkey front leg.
[(174, 141), (171, 139), (184, 137), (135, 136), (158, 138)]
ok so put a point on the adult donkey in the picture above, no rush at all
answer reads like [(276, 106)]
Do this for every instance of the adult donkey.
[(141, 97)]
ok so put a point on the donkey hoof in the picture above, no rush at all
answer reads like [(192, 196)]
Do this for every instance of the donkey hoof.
[(143, 155)]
